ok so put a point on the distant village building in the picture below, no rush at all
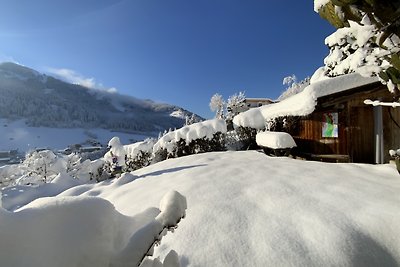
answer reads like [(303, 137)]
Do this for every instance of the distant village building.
[(9, 157), (244, 106), (257, 102), (249, 103), (88, 149)]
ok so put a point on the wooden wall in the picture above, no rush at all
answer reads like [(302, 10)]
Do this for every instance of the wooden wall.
[(355, 122), (391, 130)]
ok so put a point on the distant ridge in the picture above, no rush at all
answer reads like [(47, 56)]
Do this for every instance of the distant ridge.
[(43, 100)]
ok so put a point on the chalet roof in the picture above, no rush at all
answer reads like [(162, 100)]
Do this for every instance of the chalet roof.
[(252, 99), (303, 103)]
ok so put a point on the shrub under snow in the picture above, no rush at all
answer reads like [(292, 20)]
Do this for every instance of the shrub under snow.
[(192, 139), (125, 158), (43, 166)]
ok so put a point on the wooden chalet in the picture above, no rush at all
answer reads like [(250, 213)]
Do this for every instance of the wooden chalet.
[(343, 128)]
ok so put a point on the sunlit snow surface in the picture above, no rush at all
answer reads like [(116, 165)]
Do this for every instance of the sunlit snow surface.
[(275, 140), (243, 209), (16, 135)]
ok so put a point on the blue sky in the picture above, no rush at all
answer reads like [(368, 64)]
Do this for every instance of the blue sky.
[(175, 51)]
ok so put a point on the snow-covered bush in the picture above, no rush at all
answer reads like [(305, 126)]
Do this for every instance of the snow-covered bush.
[(125, 158), (9, 174), (40, 166), (139, 155), (200, 137), (246, 138), (115, 158), (91, 171), (43, 166)]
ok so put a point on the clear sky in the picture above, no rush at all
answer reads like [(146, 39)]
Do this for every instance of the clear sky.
[(175, 51)]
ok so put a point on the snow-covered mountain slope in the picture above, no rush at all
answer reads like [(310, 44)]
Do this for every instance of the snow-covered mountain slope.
[(243, 209), (42, 100)]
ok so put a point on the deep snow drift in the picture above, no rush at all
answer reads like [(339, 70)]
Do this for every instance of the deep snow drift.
[(244, 209)]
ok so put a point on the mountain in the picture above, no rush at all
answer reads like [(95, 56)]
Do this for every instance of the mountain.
[(43, 100)]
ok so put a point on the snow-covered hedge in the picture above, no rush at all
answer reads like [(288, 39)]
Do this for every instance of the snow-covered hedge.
[(139, 155), (43, 166), (126, 158), (196, 138)]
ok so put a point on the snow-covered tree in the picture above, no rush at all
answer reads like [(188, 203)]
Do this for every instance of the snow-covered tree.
[(41, 163), (288, 80), (217, 105), (235, 104), (294, 87), (367, 40), (190, 119)]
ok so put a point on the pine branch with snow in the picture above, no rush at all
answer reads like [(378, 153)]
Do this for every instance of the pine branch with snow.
[(367, 40)]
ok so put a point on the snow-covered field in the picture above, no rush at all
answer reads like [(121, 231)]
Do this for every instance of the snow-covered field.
[(243, 209), (16, 135)]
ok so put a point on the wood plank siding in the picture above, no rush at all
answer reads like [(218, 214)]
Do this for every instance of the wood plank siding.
[(355, 125)]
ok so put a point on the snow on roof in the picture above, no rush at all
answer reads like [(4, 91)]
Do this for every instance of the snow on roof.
[(275, 140), (302, 103), (191, 132)]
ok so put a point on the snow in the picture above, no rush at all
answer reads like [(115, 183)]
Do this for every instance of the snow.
[(243, 209), (275, 140), (318, 4), (359, 48), (78, 231), (133, 150), (17, 135), (204, 129), (20, 195), (178, 114), (119, 152), (380, 103), (359, 57), (302, 103), (173, 205)]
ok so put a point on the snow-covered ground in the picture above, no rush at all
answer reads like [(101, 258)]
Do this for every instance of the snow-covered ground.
[(243, 209), (17, 135)]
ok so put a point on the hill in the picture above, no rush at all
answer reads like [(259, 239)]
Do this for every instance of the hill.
[(43, 100)]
